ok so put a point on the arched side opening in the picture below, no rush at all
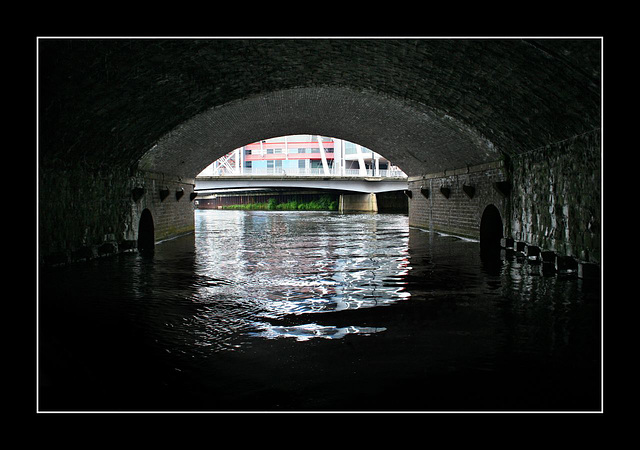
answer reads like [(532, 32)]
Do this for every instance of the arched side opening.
[(490, 229), (146, 233)]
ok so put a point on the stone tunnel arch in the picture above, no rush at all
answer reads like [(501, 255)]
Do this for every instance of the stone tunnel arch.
[(396, 128), (117, 113)]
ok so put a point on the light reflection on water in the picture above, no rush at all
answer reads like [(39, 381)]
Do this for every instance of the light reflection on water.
[(271, 265), (327, 310), (312, 330)]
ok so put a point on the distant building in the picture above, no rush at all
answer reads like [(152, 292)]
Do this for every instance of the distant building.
[(303, 154)]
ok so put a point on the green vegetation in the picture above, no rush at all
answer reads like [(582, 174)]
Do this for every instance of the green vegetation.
[(325, 203)]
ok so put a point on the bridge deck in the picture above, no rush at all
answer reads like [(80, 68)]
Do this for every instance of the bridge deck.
[(355, 184)]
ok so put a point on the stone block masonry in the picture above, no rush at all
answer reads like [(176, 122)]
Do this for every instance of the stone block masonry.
[(453, 201), (556, 201), (101, 210), (170, 201), (81, 212), (549, 198)]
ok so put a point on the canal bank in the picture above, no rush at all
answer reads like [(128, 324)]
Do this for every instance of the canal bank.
[(305, 200)]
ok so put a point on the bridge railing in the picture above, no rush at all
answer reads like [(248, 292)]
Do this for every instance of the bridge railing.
[(316, 172)]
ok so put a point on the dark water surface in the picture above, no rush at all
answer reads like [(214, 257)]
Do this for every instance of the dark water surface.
[(315, 311)]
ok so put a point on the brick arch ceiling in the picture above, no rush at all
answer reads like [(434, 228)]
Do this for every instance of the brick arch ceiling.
[(413, 138), (174, 105)]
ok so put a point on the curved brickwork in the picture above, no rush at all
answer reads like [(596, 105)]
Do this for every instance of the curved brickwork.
[(397, 129), (120, 114), (110, 101)]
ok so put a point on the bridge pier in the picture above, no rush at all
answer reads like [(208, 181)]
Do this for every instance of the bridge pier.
[(358, 202)]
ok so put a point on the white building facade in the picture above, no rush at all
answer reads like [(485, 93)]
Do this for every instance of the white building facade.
[(303, 154)]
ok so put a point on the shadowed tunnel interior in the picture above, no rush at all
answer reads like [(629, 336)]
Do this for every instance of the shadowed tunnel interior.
[(146, 238), (500, 138), (490, 229), (114, 111), (438, 104)]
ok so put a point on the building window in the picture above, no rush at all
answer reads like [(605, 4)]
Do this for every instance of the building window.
[(349, 148)]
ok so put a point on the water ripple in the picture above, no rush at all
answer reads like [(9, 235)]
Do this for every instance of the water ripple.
[(273, 265), (311, 331)]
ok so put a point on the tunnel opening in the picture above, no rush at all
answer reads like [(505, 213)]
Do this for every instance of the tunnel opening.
[(490, 230), (302, 160), (440, 108), (146, 233)]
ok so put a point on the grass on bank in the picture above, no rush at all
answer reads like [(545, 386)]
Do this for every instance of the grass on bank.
[(324, 203)]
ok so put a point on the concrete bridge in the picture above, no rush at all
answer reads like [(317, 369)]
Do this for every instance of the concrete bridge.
[(369, 185), (500, 138), (357, 193)]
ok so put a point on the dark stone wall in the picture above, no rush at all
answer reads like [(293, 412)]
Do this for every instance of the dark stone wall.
[(556, 201), (430, 105), (170, 202), (82, 213), (86, 214), (439, 201), (553, 199)]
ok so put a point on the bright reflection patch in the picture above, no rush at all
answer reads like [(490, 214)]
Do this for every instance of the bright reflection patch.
[(312, 330)]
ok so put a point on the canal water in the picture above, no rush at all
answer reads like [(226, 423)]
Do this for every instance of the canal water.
[(316, 311)]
